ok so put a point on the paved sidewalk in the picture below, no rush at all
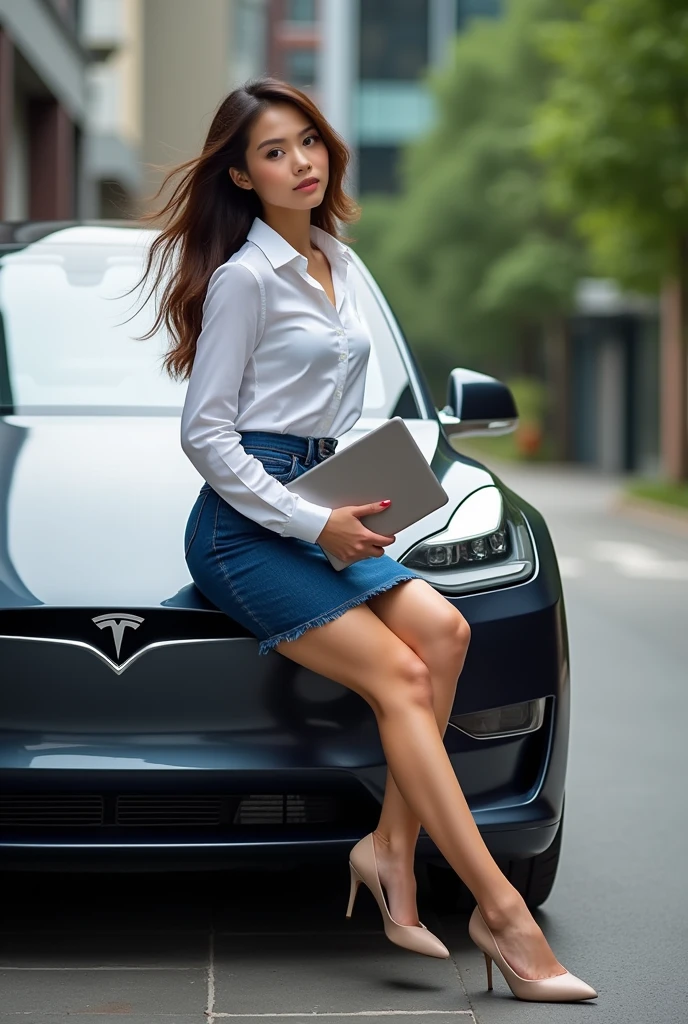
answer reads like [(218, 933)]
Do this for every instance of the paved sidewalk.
[(186, 949)]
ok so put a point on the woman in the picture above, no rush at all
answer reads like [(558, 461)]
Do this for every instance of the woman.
[(264, 324)]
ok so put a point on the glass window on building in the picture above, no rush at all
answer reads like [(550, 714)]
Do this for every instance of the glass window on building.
[(249, 40), (466, 9), (300, 10), (394, 39), (300, 65), (378, 169)]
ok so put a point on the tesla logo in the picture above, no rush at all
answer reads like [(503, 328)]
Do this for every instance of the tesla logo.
[(117, 623)]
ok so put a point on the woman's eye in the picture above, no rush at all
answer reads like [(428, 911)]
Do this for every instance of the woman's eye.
[(316, 137)]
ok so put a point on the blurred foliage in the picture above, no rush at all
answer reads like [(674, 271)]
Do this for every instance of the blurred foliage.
[(614, 131), (666, 492), (532, 399), (471, 258)]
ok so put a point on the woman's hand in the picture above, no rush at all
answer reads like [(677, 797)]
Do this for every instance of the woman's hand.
[(348, 539)]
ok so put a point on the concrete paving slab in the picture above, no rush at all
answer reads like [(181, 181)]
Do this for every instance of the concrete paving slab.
[(306, 903), (104, 949), (107, 902), (84, 917), (328, 973), (431, 1016), (61, 992)]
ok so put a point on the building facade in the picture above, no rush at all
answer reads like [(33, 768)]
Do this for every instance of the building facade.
[(43, 107), (186, 73), (112, 33), (364, 62), (399, 41), (612, 388), (294, 40)]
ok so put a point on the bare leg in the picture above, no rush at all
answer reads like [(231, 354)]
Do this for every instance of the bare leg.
[(397, 831), (360, 652), (415, 751)]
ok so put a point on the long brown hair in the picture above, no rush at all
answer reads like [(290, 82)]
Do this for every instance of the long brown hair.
[(208, 217)]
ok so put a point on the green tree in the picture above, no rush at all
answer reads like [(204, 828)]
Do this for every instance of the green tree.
[(476, 265), (614, 131)]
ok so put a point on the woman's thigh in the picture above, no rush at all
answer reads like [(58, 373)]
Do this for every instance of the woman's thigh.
[(424, 619), (359, 651)]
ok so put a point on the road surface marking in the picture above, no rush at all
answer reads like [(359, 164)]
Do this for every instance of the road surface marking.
[(638, 561)]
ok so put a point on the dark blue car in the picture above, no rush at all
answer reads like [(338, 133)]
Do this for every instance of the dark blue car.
[(138, 725)]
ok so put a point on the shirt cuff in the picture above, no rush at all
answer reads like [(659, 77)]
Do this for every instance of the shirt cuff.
[(307, 520)]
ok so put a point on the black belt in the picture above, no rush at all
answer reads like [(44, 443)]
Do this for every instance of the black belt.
[(326, 446)]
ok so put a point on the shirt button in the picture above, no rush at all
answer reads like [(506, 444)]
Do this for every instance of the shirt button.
[(342, 357), (339, 330), (338, 394)]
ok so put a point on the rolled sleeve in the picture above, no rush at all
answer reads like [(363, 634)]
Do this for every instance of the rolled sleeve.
[(233, 315)]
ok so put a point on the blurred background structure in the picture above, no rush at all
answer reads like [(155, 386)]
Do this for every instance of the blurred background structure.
[(43, 109), (95, 90), (478, 223)]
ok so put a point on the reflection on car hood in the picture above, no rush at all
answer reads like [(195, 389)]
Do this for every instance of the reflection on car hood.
[(93, 509)]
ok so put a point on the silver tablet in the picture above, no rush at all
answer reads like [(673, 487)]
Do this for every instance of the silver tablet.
[(384, 463)]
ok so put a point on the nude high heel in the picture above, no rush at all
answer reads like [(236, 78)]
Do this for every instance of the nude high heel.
[(363, 866), (562, 988)]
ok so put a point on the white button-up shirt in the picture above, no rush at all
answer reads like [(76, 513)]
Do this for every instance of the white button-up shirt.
[(273, 354)]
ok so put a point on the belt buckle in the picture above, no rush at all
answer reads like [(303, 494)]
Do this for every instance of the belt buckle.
[(325, 447)]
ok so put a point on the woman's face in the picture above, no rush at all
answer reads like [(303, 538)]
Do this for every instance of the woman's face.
[(276, 168)]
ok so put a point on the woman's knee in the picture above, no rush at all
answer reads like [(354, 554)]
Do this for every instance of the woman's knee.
[(462, 632), (451, 634), (408, 682)]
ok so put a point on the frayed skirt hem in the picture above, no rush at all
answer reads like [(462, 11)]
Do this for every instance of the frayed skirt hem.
[(265, 646)]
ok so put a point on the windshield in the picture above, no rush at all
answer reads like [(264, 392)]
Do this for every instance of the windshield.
[(67, 331)]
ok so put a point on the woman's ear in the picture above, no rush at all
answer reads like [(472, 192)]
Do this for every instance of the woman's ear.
[(240, 179)]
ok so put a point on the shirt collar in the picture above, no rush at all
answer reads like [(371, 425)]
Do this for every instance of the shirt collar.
[(279, 251)]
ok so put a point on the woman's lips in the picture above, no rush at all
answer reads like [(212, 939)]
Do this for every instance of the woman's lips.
[(306, 188)]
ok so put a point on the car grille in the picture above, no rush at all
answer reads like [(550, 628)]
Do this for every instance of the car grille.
[(131, 812), (50, 809)]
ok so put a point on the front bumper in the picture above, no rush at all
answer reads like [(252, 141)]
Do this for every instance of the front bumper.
[(75, 820)]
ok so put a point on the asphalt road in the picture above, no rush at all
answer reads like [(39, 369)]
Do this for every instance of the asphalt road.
[(168, 949), (618, 913)]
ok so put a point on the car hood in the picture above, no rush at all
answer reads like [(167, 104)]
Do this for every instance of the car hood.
[(94, 507)]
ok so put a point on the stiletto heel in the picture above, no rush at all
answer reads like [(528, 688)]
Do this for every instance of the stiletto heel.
[(355, 882), (562, 988), (488, 965), (363, 866)]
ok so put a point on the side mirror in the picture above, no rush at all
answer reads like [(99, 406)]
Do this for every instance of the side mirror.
[(477, 405)]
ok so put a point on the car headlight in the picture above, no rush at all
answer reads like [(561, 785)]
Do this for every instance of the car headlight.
[(486, 544)]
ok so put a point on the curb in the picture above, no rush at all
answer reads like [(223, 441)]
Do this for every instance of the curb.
[(653, 513)]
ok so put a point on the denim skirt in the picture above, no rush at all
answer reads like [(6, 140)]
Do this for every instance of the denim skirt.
[(276, 587)]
